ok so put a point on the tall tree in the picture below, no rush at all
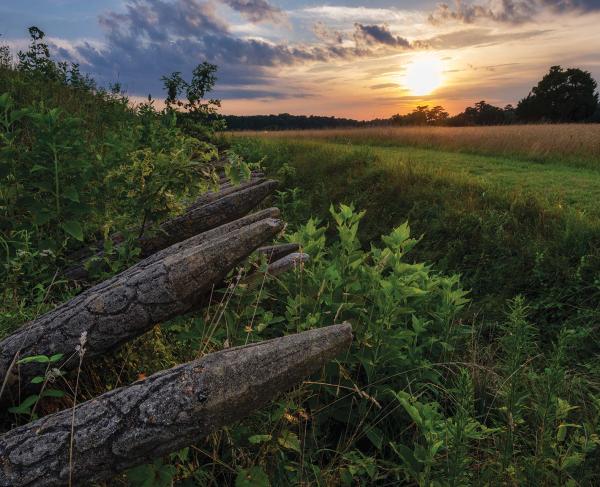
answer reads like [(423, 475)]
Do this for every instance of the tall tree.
[(562, 95)]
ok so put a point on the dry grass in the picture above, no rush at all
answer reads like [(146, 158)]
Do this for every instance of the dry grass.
[(572, 143)]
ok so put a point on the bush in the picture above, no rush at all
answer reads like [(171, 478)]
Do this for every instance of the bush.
[(77, 164), (418, 399)]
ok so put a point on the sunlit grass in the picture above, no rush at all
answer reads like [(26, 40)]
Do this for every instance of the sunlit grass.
[(559, 186), (577, 145)]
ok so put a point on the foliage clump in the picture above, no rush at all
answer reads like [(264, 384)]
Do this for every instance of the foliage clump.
[(79, 163)]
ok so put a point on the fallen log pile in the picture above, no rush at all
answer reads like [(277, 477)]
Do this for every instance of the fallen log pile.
[(132, 302), (185, 259)]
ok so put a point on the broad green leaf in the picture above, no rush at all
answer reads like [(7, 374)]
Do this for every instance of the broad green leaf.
[(24, 407), (74, 229), (53, 393), (71, 194), (290, 441), (376, 437), (407, 455), (39, 359)]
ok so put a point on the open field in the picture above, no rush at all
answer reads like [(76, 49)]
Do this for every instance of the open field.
[(559, 185), (568, 143), (509, 225)]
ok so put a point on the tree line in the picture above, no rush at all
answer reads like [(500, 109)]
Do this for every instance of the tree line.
[(561, 96)]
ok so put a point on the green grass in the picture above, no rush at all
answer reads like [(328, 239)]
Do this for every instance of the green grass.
[(558, 185), (577, 145), (509, 226)]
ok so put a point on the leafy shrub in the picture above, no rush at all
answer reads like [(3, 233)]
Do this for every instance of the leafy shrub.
[(77, 164), (418, 399)]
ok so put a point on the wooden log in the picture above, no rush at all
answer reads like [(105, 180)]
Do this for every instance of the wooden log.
[(290, 261), (170, 410), (130, 303), (276, 252), (206, 217), (225, 188), (224, 180), (215, 233), (210, 213)]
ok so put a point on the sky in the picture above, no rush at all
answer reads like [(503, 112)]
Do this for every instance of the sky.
[(347, 58)]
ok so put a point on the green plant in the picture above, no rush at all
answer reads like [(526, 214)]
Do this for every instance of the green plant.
[(403, 321), (28, 406)]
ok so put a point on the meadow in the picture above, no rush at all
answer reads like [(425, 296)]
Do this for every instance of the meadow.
[(470, 278), (577, 144), (519, 222)]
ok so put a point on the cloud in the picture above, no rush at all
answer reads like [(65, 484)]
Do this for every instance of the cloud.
[(378, 35), (566, 5), (477, 37), (257, 10), (325, 34), (371, 15), (262, 94), (507, 11), (383, 86), (503, 11), (151, 38)]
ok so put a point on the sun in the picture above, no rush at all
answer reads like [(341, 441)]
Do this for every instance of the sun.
[(424, 74)]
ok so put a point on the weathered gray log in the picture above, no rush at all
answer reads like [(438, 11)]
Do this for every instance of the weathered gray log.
[(291, 261), (226, 188), (168, 411), (130, 303), (206, 217), (276, 252), (218, 232), (208, 212), (224, 179)]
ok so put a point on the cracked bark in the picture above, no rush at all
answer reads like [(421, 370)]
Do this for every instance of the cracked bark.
[(209, 211), (156, 289), (226, 187), (168, 411)]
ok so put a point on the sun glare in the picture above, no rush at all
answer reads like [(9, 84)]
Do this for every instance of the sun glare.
[(424, 74)]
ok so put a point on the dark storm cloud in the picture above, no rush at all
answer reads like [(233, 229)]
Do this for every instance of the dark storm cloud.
[(507, 11), (378, 35), (257, 10)]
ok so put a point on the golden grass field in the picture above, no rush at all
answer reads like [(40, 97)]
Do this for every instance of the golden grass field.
[(575, 143)]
